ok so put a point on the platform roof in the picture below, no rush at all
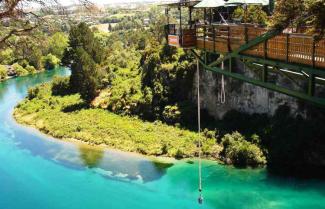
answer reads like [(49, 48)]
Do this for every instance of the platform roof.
[(210, 4), (185, 3), (252, 2)]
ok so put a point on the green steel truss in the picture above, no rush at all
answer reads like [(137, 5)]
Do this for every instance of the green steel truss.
[(293, 72)]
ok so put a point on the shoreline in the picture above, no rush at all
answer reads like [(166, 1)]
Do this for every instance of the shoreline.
[(100, 128), (154, 158)]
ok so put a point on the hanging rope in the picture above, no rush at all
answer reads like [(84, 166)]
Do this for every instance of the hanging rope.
[(200, 198), (222, 93)]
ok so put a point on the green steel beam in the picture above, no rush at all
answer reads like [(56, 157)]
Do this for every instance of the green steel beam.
[(270, 86), (293, 67)]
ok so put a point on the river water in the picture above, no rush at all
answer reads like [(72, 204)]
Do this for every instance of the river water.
[(38, 172)]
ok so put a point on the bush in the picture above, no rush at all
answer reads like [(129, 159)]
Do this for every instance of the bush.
[(171, 114), (33, 92), (20, 71), (7, 56), (30, 69), (60, 86), (240, 152), (3, 72), (24, 63), (50, 61)]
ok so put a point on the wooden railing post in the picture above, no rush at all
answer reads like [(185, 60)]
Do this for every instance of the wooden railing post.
[(287, 47), (265, 49), (246, 34), (313, 52), (265, 73)]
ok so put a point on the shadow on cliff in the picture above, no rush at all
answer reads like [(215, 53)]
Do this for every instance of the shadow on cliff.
[(294, 143)]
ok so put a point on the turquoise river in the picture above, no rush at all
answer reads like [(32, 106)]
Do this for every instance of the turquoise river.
[(39, 172)]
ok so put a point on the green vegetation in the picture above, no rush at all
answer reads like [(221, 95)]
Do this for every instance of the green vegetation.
[(34, 52), (58, 42), (255, 14), (68, 117), (84, 54), (127, 76), (300, 13), (19, 69), (3, 72), (50, 61), (240, 152), (60, 86)]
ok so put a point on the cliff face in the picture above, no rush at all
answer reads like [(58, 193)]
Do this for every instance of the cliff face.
[(240, 96), (292, 134)]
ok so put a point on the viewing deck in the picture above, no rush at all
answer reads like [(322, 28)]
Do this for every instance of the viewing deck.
[(222, 39)]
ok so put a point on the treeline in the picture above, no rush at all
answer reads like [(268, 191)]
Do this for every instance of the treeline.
[(32, 53)]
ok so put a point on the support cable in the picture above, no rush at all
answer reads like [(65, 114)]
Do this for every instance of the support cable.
[(200, 198), (222, 93)]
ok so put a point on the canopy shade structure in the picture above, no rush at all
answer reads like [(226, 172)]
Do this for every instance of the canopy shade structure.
[(179, 3), (251, 2), (210, 4)]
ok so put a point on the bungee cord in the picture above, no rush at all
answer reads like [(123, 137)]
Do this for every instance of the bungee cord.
[(222, 93), (200, 198)]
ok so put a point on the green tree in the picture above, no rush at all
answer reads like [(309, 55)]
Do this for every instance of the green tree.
[(255, 14), (6, 56), (36, 59), (316, 15), (84, 77), (58, 42), (84, 53), (81, 36), (297, 13), (287, 12), (50, 61)]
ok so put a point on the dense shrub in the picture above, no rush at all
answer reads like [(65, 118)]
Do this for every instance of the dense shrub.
[(33, 92), (6, 56), (3, 72), (61, 86), (30, 69), (240, 152), (171, 114), (20, 71), (50, 61)]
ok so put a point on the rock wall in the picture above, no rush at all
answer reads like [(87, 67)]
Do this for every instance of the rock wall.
[(240, 96)]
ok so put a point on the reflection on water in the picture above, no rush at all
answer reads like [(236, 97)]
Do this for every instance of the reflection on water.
[(90, 157), (109, 163)]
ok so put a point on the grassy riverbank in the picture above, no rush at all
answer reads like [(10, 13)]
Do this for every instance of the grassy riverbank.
[(67, 117)]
